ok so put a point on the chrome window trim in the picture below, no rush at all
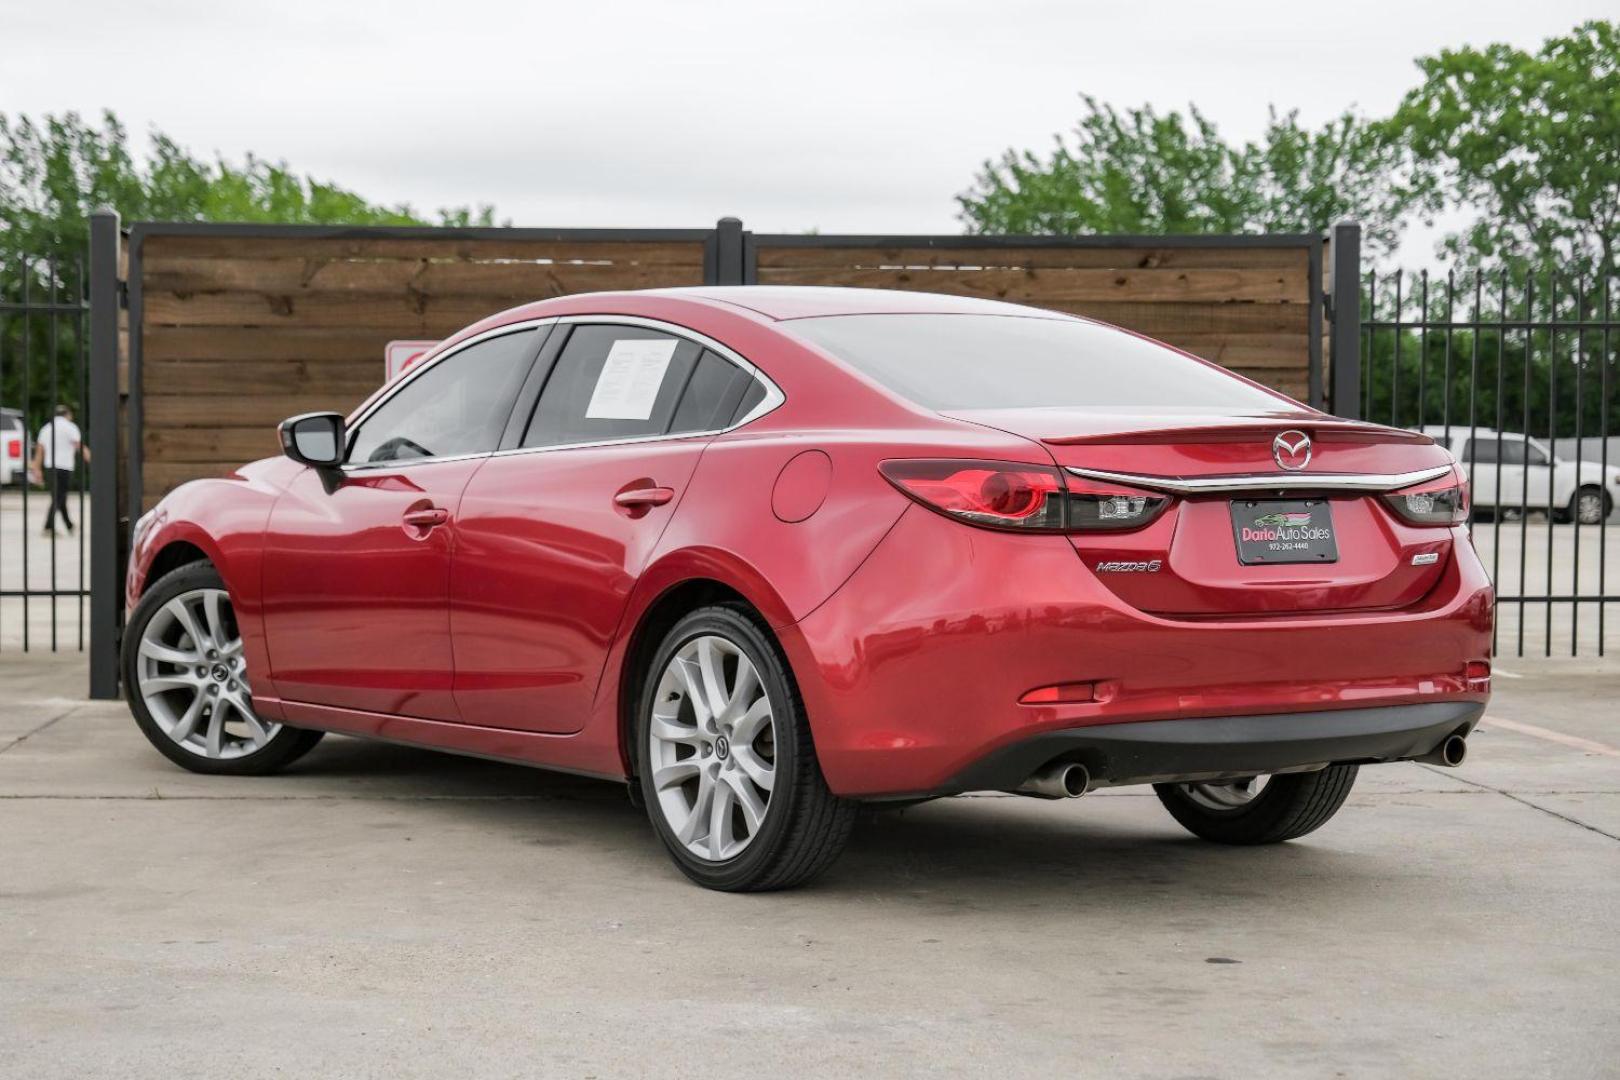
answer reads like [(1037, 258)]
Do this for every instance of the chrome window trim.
[(1199, 485), (772, 400)]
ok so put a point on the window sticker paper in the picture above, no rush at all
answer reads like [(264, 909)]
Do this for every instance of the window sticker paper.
[(630, 379)]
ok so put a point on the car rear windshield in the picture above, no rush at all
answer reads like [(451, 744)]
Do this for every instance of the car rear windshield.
[(946, 362)]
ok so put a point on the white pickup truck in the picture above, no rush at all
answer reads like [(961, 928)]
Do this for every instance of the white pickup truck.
[(1507, 470), (14, 448)]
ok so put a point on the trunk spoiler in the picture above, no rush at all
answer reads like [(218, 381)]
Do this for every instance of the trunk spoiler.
[(1201, 485)]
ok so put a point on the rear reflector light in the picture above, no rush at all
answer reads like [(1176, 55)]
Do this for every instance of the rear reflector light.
[(1011, 495), (1477, 673), (1439, 502), (1061, 694)]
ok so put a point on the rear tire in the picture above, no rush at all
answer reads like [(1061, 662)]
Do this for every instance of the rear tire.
[(1288, 806), (727, 767), (186, 681)]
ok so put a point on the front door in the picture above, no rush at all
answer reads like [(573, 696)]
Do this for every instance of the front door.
[(357, 560), (552, 536)]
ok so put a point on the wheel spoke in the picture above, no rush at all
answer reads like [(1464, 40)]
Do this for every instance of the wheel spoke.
[(692, 681), (161, 683), (720, 837), (714, 682), (753, 807), (674, 775), (214, 617), (757, 769), (182, 615), (156, 650), (742, 694), (665, 729), (181, 731), (688, 831), (216, 731), (747, 729)]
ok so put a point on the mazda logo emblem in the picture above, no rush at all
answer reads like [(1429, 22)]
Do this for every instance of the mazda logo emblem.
[(1291, 450)]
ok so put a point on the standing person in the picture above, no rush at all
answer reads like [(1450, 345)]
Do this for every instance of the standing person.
[(56, 451)]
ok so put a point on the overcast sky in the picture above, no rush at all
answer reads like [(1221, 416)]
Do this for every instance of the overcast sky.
[(843, 116)]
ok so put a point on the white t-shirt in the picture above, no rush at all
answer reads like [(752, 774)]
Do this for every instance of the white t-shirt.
[(60, 438)]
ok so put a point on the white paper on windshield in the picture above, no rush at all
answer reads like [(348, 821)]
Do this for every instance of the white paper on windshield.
[(630, 379)]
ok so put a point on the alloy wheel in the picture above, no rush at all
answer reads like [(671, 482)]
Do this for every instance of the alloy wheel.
[(712, 748), (1226, 795), (193, 677), (1589, 507)]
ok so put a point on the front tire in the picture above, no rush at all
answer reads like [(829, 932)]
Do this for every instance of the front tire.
[(186, 681), (1589, 505), (1259, 810), (726, 764)]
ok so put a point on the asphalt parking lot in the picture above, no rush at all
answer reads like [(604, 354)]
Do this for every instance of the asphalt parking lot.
[(385, 912)]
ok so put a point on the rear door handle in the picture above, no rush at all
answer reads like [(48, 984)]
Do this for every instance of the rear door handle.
[(428, 518), (644, 496)]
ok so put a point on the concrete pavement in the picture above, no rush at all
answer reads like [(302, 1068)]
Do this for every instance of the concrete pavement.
[(380, 911)]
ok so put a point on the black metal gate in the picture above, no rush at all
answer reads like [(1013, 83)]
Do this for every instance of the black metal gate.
[(44, 403), (1515, 373)]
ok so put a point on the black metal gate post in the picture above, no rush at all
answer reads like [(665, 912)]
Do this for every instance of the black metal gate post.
[(105, 530), (730, 253), (1344, 306)]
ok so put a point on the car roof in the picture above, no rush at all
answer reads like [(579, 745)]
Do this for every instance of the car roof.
[(810, 301)]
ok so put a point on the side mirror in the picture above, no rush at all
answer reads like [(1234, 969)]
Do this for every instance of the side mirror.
[(314, 439)]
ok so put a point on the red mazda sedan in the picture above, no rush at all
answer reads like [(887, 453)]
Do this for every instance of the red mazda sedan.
[(766, 554)]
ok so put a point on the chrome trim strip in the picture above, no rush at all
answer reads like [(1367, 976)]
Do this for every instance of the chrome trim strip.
[(1200, 485), (773, 398)]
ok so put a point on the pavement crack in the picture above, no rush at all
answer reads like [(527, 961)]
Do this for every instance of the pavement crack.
[(25, 736), (1523, 802)]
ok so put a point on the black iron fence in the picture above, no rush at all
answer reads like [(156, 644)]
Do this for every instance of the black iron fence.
[(1515, 373), (44, 466)]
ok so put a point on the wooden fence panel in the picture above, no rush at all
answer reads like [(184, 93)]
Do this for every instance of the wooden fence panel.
[(239, 332), (1246, 306)]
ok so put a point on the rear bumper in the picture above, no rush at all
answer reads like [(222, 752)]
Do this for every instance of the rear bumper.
[(913, 671), (1210, 748)]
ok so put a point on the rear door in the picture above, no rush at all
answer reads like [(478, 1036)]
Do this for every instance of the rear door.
[(554, 531), (357, 561)]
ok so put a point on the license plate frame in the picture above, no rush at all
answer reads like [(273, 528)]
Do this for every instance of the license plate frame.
[(1268, 532)]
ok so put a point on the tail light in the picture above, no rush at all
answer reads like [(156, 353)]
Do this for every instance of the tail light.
[(14, 449), (1439, 502), (1010, 495)]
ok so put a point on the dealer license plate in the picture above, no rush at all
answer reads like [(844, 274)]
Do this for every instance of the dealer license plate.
[(1284, 531)]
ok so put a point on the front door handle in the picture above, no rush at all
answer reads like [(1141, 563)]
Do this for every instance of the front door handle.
[(427, 518), (641, 497)]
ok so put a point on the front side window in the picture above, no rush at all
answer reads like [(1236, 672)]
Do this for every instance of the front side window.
[(1534, 455), (459, 405), (946, 362)]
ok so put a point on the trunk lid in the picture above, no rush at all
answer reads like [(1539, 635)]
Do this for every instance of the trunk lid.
[(1187, 564)]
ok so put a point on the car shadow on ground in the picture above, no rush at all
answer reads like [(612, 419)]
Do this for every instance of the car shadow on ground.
[(950, 854)]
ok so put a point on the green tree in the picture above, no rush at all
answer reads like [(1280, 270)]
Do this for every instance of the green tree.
[(1531, 141), (1140, 171), (55, 171)]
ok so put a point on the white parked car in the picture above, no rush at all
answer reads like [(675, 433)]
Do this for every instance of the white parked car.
[(13, 448), (1509, 470)]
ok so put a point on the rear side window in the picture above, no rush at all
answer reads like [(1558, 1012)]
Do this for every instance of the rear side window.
[(459, 405), (627, 382), (712, 394), (946, 362)]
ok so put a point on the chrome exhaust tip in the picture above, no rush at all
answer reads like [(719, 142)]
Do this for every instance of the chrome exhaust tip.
[(1452, 752), (1061, 780)]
